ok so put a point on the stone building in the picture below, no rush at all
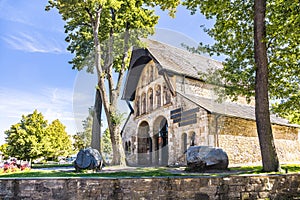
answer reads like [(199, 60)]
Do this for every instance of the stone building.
[(172, 108)]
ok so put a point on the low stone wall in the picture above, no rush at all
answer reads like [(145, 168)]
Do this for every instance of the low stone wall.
[(204, 188)]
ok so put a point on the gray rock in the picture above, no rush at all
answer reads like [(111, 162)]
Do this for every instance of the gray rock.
[(201, 158), (88, 159)]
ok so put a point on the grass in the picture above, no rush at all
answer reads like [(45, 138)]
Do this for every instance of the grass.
[(142, 172), (38, 166), (139, 172), (290, 168)]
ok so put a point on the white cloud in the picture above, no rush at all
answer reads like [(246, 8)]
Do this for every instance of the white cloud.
[(10, 13), (53, 103), (35, 42)]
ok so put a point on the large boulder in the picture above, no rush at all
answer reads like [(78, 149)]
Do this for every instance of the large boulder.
[(201, 158), (88, 159)]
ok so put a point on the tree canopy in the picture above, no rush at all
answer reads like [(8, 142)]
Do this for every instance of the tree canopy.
[(33, 137), (261, 44), (233, 34), (57, 141), (100, 34)]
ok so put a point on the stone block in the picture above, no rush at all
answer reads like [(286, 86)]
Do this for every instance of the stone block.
[(200, 158)]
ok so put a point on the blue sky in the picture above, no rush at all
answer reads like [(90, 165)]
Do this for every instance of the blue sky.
[(35, 73)]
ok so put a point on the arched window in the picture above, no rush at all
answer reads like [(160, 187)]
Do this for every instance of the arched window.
[(137, 106), (184, 142), (167, 96), (144, 103), (151, 73), (150, 99), (193, 139), (126, 147), (129, 147), (158, 96)]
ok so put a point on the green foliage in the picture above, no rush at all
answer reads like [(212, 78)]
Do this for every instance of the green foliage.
[(83, 139), (3, 150), (101, 34), (32, 138), (26, 139), (233, 35), (58, 141), (117, 118), (106, 146), (118, 19)]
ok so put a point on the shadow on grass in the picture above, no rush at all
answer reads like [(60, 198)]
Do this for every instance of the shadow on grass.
[(140, 172), (144, 172)]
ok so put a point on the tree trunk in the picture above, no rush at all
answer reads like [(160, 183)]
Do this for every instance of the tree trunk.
[(117, 146), (268, 151), (96, 128), (115, 134), (109, 102)]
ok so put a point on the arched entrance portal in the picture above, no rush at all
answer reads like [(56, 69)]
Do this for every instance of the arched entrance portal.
[(161, 141), (144, 144)]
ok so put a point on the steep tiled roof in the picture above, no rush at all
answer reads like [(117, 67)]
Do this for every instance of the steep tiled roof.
[(168, 58), (180, 61)]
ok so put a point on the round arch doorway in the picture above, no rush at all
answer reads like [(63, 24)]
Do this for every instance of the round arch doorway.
[(160, 128), (144, 150)]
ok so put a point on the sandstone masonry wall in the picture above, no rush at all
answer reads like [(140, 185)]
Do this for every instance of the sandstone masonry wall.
[(204, 188), (239, 139)]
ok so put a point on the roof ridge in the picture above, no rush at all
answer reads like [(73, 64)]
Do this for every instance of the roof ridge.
[(182, 49)]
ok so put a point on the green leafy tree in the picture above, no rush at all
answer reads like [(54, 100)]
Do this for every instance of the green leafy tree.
[(3, 150), (58, 142), (33, 138), (106, 147), (100, 34), (260, 41), (25, 140), (83, 139), (78, 143)]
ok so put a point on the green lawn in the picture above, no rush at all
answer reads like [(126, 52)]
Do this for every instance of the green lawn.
[(142, 172), (139, 172)]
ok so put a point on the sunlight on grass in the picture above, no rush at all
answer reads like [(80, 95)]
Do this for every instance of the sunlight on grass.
[(144, 172)]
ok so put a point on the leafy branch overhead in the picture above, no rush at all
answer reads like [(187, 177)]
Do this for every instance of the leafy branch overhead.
[(100, 34), (233, 35)]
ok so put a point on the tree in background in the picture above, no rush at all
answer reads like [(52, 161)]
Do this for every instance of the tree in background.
[(33, 138), (100, 34), (106, 147), (261, 45), (83, 139), (26, 139), (58, 142), (3, 149)]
